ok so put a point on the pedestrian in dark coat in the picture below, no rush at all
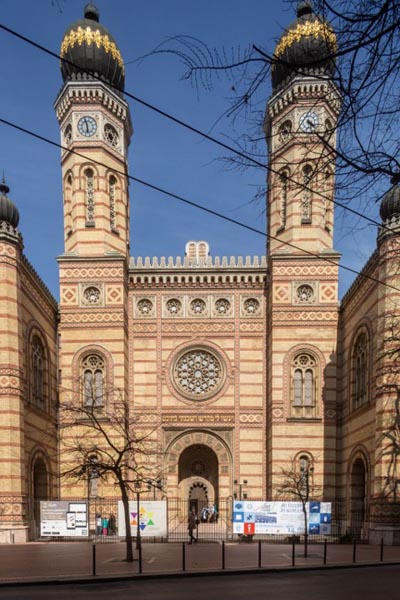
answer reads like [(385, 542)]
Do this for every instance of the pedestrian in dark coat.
[(192, 524)]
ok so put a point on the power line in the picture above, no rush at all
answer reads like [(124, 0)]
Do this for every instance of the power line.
[(190, 127), (196, 205)]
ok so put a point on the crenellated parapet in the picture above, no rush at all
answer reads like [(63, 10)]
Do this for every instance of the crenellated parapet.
[(202, 271), (208, 262)]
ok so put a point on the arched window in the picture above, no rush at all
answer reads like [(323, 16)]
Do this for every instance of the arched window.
[(306, 203), (305, 471), (284, 197), (93, 378), (360, 372), (68, 204), (37, 372), (111, 193), (89, 192), (304, 385), (328, 200)]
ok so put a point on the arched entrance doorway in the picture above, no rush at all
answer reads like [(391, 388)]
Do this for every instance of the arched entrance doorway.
[(358, 481), (198, 477), (40, 491)]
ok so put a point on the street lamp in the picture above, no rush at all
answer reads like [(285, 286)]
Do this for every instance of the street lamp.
[(240, 485), (138, 485)]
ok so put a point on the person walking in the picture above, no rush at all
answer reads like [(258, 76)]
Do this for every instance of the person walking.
[(192, 524)]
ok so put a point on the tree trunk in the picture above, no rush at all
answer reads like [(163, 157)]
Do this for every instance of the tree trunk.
[(305, 531), (128, 535)]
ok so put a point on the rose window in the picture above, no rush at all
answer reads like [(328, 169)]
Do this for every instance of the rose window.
[(145, 306), (251, 306), (304, 293), (198, 374), (92, 295), (174, 306), (222, 306), (198, 306)]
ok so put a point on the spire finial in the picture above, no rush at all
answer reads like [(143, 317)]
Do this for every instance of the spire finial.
[(304, 8), (91, 12), (4, 189)]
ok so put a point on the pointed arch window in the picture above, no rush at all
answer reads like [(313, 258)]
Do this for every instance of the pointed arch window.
[(37, 372), (112, 184), (89, 197), (304, 386), (306, 203), (360, 371), (93, 378)]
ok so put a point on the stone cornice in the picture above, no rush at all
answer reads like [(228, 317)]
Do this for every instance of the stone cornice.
[(369, 266), (39, 282)]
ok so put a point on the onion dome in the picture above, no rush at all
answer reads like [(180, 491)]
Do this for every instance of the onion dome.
[(90, 49), (8, 211), (390, 205), (305, 48)]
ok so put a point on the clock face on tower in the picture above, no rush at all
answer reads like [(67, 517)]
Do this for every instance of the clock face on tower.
[(308, 121), (87, 126)]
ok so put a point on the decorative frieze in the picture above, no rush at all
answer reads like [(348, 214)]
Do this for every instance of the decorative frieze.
[(197, 419)]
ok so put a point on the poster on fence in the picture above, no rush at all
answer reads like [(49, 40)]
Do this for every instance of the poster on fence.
[(63, 518), (152, 518), (250, 518)]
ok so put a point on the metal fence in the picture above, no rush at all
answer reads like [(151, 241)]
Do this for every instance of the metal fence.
[(215, 527)]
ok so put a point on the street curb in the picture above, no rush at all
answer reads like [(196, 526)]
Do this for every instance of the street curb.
[(88, 580)]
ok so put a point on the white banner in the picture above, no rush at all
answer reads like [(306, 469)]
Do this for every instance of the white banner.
[(250, 518), (63, 518), (152, 518)]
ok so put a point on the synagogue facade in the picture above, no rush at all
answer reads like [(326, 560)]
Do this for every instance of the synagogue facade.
[(241, 367)]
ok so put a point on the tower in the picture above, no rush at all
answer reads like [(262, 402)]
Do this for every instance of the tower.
[(95, 129), (95, 133), (300, 127)]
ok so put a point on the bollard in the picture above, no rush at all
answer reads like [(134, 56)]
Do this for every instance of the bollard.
[(223, 555), (381, 549), (183, 556), (140, 558), (354, 550), (259, 554), (94, 559), (293, 553), (325, 550)]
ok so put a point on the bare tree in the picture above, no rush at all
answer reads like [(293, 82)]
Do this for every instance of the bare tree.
[(365, 61), (106, 443), (296, 484)]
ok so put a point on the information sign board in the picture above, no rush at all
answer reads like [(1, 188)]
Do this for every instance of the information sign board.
[(250, 517), (63, 518)]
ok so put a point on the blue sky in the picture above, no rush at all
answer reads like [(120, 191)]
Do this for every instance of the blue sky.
[(161, 152)]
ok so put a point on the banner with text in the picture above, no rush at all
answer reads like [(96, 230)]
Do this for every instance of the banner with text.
[(63, 519), (250, 518)]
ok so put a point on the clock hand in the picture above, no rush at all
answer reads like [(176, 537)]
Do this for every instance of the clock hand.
[(87, 126)]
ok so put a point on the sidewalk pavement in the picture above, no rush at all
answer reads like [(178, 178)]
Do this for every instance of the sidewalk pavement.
[(56, 561)]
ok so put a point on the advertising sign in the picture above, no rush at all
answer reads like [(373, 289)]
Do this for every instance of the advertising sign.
[(152, 518), (63, 518), (250, 518)]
